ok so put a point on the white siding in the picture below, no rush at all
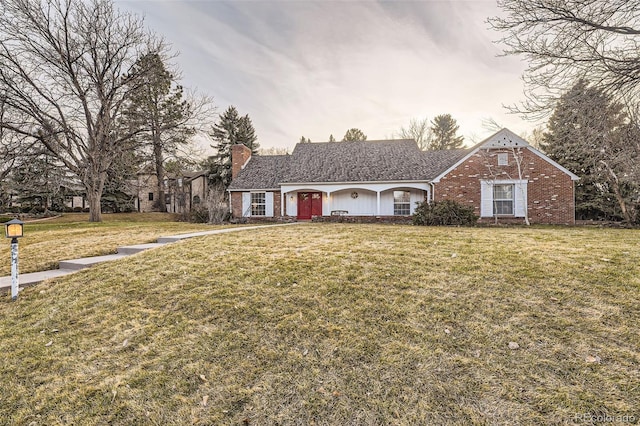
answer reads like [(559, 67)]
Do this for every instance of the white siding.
[(291, 203), (268, 200), (416, 197), (386, 203), (246, 204), (363, 205)]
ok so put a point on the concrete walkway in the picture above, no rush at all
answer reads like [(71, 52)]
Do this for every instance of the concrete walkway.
[(70, 266)]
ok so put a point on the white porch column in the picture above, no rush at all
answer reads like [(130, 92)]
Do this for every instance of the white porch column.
[(330, 203), (378, 203)]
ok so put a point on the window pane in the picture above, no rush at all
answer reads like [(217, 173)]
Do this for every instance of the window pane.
[(257, 197), (503, 199), (401, 209), (503, 192), (503, 207), (401, 203), (401, 196), (258, 205)]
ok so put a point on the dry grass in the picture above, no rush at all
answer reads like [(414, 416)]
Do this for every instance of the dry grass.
[(335, 324), (72, 236)]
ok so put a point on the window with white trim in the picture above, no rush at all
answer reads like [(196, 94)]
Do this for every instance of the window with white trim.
[(401, 203), (503, 199), (258, 204), (503, 159)]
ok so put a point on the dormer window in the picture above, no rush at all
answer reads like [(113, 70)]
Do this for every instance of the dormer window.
[(503, 159)]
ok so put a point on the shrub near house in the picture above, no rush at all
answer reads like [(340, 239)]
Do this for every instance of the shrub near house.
[(443, 213)]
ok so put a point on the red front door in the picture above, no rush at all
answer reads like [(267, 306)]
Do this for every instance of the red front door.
[(309, 204)]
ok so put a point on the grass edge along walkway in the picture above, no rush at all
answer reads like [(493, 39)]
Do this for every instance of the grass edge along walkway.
[(74, 265)]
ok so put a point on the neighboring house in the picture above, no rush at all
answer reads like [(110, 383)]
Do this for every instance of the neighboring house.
[(182, 192), (503, 178)]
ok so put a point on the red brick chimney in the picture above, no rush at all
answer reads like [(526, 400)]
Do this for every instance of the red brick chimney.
[(240, 154)]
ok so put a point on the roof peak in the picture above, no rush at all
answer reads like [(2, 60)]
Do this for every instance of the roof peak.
[(504, 138)]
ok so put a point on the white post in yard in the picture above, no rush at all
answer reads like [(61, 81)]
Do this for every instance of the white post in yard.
[(14, 230), (14, 268)]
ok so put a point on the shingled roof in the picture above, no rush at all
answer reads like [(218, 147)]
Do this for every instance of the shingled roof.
[(262, 172), (336, 162)]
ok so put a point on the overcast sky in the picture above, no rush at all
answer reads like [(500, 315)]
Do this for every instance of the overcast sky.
[(316, 68)]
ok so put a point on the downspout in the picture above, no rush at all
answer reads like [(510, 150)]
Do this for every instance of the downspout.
[(230, 204), (433, 193)]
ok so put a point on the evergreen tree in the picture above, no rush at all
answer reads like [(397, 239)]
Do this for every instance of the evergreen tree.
[(231, 129), (589, 135), (354, 135), (443, 133), (158, 108), (331, 138), (247, 134), (39, 180)]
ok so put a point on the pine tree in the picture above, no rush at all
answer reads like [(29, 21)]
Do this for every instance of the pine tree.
[(231, 129), (247, 134), (331, 138), (354, 135), (39, 180), (443, 133), (587, 134), (158, 108)]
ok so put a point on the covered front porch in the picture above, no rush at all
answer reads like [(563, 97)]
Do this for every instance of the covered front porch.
[(305, 201)]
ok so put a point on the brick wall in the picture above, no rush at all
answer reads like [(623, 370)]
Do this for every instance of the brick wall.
[(239, 156), (236, 204), (550, 191), (277, 197)]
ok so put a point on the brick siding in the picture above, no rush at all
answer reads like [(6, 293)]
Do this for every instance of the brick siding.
[(239, 156), (236, 204), (550, 191)]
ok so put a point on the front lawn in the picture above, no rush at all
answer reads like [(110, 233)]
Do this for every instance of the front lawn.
[(335, 324), (71, 236)]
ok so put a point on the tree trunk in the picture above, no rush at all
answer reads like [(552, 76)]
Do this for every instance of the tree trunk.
[(621, 202), (159, 160), (95, 209), (615, 186), (518, 159), (94, 186)]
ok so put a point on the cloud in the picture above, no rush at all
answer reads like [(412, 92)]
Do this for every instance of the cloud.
[(317, 68)]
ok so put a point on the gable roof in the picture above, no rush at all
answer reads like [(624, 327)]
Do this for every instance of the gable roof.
[(360, 161), (503, 138), (262, 172), (339, 162)]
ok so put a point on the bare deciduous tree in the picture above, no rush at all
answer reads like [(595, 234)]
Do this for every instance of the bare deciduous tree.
[(64, 79), (273, 151), (566, 40), (217, 205), (418, 130)]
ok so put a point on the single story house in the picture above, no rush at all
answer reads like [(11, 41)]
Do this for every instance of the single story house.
[(503, 178)]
